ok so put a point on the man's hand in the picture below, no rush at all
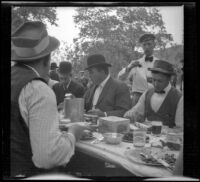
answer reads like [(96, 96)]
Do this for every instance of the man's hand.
[(96, 112), (132, 65), (78, 130), (130, 116)]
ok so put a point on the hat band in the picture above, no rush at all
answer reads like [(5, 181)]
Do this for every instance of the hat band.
[(30, 52)]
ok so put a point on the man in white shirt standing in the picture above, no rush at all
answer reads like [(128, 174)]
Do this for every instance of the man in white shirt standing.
[(162, 102), (36, 143), (137, 71)]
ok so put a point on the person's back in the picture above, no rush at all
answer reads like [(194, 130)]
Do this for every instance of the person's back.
[(35, 138)]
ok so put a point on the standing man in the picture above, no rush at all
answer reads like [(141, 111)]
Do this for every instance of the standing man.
[(53, 73), (137, 71), (66, 84), (36, 143), (83, 79), (161, 103), (106, 97)]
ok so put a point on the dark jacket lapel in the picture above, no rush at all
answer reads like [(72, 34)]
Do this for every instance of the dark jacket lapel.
[(105, 89)]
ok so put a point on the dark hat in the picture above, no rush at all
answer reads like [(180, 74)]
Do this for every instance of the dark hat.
[(31, 41), (65, 67), (96, 60), (53, 65), (146, 37), (162, 67)]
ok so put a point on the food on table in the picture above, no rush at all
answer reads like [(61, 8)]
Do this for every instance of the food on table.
[(158, 144), (91, 118), (148, 155), (128, 137), (87, 135)]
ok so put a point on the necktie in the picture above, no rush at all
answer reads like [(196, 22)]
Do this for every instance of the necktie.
[(150, 59)]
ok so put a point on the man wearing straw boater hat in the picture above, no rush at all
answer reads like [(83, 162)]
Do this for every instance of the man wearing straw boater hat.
[(137, 71), (36, 143), (161, 103), (107, 97)]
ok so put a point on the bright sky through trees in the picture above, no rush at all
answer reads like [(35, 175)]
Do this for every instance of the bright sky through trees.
[(66, 30)]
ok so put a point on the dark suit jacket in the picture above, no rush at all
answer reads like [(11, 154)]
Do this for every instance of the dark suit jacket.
[(75, 88), (53, 75), (114, 99)]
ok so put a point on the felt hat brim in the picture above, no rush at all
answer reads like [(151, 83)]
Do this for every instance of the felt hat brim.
[(98, 64), (160, 70), (53, 44)]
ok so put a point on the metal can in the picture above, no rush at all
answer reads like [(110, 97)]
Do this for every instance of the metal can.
[(68, 96)]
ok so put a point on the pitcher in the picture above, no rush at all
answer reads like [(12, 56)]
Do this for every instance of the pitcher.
[(74, 109)]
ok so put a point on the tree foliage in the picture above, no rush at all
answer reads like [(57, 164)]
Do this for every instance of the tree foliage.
[(23, 14), (114, 32)]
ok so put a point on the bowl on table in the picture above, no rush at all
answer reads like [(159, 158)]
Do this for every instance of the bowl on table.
[(113, 138)]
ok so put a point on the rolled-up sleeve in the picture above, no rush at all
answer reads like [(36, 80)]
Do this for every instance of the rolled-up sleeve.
[(137, 109), (50, 147)]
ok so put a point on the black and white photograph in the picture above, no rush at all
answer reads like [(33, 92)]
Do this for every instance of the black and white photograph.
[(97, 92)]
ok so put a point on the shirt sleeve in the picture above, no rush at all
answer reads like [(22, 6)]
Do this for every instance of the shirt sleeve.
[(123, 74), (50, 147), (137, 109), (179, 114)]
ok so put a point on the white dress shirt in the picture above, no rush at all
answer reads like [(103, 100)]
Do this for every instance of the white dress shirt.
[(138, 75), (156, 101), (50, 147), (51, 82), (98, 92)]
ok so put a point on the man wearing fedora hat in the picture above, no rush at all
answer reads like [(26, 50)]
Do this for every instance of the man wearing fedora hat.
[(137, 71), (107, 97), (53, 73), (161, 103), (36, 142)]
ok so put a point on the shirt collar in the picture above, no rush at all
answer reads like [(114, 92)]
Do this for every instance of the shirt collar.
[(166, 89), (36, 72), (102, 84), (66, 86)]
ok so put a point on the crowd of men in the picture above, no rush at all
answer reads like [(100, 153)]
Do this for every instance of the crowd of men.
[(37, 91)]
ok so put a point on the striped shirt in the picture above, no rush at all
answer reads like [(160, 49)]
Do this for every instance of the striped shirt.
[(50, 146)]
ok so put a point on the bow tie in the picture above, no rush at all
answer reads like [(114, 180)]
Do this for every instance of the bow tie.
[(150, 59), (160, 92)]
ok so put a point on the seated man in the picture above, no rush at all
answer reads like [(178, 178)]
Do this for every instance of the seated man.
[(66, 84), (161, 103), (106, 97)]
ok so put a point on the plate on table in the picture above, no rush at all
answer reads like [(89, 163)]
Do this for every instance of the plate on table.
[(146, 159)]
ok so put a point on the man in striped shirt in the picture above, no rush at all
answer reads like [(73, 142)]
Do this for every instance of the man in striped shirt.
[(36, 143)]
